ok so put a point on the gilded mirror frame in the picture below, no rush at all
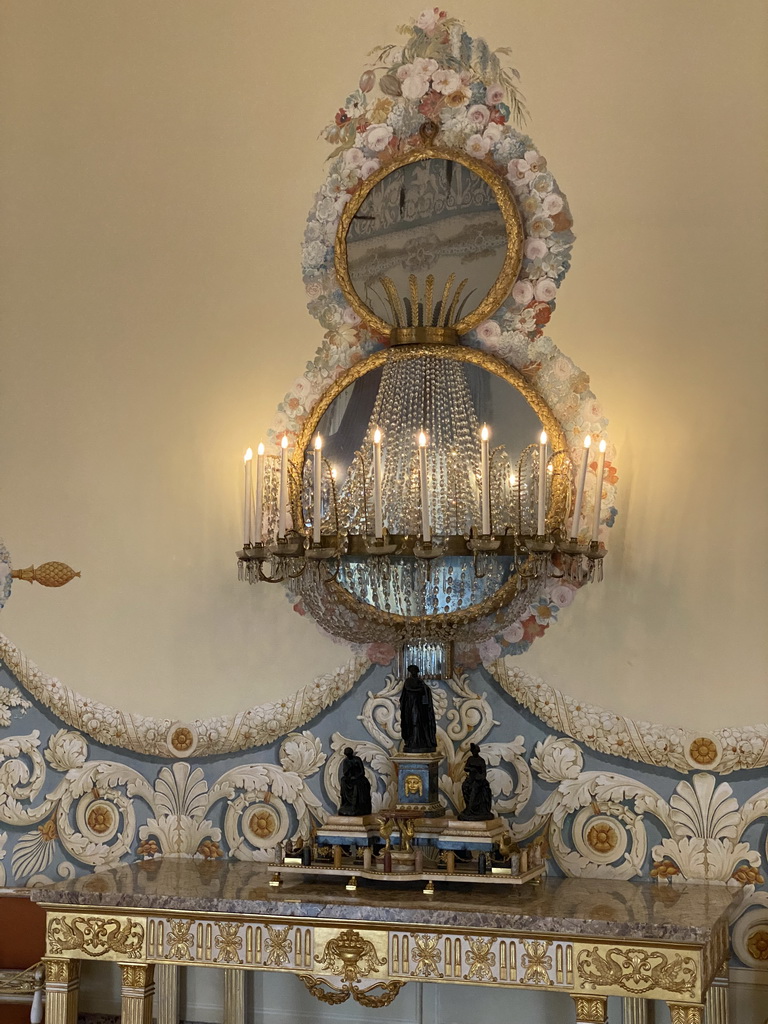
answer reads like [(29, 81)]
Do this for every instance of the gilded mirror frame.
[(447, 622), (513, 256)]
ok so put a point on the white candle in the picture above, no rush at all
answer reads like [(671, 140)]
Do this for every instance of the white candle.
[(598, 491), (378, 526), (317, 490), (542, 519), (247, 497), (580, 487), (485, 482), (426, 531), (258, 537), (282, 522)]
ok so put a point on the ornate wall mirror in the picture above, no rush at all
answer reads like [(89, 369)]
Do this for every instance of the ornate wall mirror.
[(429, 486)]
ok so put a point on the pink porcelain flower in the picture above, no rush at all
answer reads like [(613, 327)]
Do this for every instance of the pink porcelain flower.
[(494, 94), (522, 292), (488, 331), (545, 290), (429, 20), (478, 114)]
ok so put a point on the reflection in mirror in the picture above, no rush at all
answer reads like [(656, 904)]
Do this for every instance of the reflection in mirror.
[(386, 409), (427, 244)]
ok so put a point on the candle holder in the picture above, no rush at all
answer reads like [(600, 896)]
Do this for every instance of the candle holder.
[(379, 545), (290, 546), (595, 553), (254, 553), (573, 552), (331, 545), (483, 542), (428, 548), (539, 544)]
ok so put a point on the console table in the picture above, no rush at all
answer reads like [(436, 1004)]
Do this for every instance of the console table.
[(589, 938)]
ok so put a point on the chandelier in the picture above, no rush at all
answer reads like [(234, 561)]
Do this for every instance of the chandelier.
[(431, 490)]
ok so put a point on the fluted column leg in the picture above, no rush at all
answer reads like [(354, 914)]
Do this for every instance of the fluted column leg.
[(234, 996), (717, 999), (167, 994), (636, 1011), (591, 1009), (62, 983), (138, 988)]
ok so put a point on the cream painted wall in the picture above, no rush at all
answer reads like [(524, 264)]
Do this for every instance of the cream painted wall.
[(157, 164)]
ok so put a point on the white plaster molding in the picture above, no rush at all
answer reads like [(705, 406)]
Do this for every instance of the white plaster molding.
[(725, 750), (164, 737)]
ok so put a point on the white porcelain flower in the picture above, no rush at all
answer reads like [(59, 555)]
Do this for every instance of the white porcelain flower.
[(493, 132), (377, 137), (446, 81), (66, 750), (353, 157), (414, 87), (552, 204), (369, 168), (477, 146), (535, 248)]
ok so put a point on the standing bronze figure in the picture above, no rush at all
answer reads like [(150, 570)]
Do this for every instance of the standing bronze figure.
[(417, 715)]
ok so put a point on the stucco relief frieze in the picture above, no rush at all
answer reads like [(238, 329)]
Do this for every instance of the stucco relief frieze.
[(66, 809)]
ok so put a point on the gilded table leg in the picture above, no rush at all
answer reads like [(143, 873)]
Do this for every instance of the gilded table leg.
[(636, 1011), (591, 1009), (167, 998), (234, 996), (685, 1013), (138, 988), (62, 981)]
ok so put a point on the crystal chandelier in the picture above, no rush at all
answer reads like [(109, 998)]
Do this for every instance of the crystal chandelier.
[(431, 489)]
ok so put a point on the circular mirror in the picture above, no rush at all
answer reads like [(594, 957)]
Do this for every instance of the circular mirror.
[(434, 241), (417, 413)]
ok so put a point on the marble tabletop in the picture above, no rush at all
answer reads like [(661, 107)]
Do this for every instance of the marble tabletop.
[(593, 908)]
